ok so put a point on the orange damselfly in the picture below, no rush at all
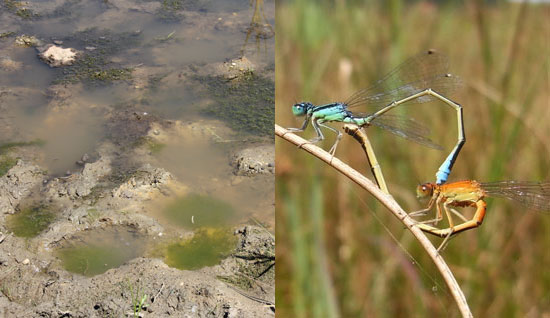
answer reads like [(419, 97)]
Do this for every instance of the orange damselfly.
[(470, 193)]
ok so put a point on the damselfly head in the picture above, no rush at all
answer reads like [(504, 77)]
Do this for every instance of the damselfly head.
[(424, 190), (300, 109)]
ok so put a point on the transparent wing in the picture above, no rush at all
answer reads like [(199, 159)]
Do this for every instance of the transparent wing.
[(428, 69), (407, 128), (532, 195)]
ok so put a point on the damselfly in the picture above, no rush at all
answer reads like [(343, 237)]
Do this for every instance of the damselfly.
[(420, 79), (470, 193)]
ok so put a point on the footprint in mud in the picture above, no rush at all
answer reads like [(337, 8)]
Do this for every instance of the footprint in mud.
[(94, 252)]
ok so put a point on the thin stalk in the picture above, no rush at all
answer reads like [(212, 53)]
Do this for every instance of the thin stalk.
[(389, 202)]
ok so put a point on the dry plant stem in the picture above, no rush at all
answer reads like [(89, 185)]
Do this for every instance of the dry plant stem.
[(358, 134), (389, 202)]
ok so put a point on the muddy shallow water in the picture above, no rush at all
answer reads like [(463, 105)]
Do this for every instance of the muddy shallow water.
[(111, 159), (95, 251)]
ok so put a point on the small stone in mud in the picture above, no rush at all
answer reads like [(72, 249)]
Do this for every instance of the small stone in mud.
[(56, 56), (83, 160), (237, 67), (27, 41), (26, 261)]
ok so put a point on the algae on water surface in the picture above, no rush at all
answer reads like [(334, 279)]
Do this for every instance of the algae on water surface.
[(91, 260), (5, 147), (94, 252), (6, 163), (95, 65), (30, 221), (206, 248), (247, 104)]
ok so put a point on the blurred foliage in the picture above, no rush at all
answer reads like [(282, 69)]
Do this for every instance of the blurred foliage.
[(334, 258)]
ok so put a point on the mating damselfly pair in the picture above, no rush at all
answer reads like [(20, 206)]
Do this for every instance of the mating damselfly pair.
[(422, 78)]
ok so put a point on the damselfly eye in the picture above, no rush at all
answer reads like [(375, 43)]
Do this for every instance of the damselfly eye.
[(299, 109)]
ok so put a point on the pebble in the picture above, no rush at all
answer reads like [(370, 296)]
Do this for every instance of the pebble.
[(56, 56), (26, 261)]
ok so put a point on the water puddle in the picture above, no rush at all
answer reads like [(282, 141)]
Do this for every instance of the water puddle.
[(195, 211), (206, 166), (30, 221), (96, 251), (194, 162), (206, 248)]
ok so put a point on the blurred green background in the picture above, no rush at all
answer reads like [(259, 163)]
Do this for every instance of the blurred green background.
[(333, 257)]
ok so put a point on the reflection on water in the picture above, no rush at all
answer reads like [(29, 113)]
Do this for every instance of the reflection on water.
[(259, 28), (94, 252)]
